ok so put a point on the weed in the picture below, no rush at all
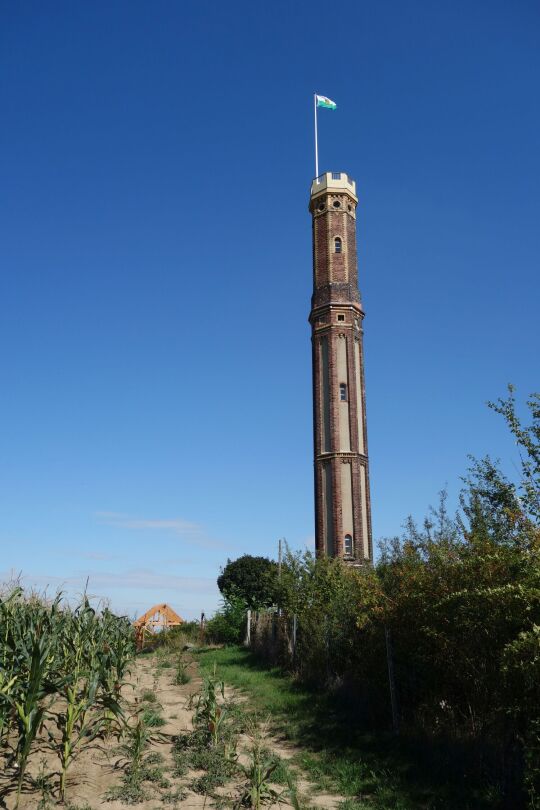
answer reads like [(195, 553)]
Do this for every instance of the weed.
[(42, 783), (156, 776), (131, 792), (153, 758), (282, 774), (138, 766), (238, 717), (181, 676), (192, 751), (180, 763), (218, 770), (149, 697), (179, 794), (152, 717), (71, 806), (191, 739)]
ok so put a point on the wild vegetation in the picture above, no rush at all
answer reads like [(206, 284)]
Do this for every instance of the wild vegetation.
[(454, 607)]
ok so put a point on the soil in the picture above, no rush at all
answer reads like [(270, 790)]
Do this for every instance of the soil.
[(96, 769)]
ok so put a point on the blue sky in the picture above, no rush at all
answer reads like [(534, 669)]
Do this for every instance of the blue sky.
[(155, 270)]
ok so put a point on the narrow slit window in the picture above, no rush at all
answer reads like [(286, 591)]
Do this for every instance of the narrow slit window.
[(348, 547), (343, 392), (337, 245)]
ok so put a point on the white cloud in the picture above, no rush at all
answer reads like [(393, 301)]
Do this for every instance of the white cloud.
[(128, 592), (87, 555), (127, 522), (182, 528), (141, 579)]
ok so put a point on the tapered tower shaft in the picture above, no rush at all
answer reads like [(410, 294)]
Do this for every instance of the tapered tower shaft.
[(342, 498)]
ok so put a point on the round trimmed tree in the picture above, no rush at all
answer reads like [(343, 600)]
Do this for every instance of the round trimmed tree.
[(254, 579)]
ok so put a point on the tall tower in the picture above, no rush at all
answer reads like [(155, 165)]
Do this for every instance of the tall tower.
[(342, 501)]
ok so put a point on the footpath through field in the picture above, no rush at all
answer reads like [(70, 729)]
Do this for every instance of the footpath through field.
[(216, 728), (192, 743)]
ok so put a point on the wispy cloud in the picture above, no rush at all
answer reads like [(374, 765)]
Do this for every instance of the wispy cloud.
[(86, 555), (129, 592), (181, 528), (126, 522), (138, 578)]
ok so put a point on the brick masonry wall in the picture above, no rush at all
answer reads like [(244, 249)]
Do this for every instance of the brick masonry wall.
[(335, 291)]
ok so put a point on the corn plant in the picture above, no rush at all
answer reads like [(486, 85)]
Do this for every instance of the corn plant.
[(34, 651), (209, 714), (256, 790), (262, 764), (137, 764), (116, 653), (48, 652), (8, 674), (181, 676), (82, 719)]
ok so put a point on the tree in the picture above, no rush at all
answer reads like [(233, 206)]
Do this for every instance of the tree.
[(253, 579)]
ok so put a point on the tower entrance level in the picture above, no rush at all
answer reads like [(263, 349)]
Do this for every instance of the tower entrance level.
[(342, 500)]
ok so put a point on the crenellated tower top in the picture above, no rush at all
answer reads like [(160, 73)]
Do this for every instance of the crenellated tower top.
[(333, 181), (332, 205)]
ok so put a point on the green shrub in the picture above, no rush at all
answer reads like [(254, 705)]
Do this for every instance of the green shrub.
[(228, 625)]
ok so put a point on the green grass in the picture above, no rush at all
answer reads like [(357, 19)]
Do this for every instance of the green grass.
[(374, 771)]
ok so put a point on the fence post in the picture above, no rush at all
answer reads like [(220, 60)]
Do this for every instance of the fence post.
[(391, 680), (201, 627), (247, 642)]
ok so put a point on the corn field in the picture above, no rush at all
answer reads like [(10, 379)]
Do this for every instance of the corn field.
[(61, 674)]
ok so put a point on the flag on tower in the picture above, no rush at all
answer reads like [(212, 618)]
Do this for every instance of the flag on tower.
[(322, 101)]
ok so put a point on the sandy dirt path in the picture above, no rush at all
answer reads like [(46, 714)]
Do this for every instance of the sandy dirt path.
[(97, 770)]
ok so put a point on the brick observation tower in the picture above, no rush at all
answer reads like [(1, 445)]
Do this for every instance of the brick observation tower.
[(342, 502)]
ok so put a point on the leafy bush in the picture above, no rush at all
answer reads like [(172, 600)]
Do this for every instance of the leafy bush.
[(228, 625), (460, 600), (253, 579)]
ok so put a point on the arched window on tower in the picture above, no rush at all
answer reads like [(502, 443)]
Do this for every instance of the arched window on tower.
[(347, 546), (337, 245)]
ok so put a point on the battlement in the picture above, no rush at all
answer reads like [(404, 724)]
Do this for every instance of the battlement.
[(333, 181)]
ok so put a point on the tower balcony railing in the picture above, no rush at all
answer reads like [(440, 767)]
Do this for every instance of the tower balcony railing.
[(332, 180)]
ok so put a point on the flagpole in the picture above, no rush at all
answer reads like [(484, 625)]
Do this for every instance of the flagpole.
[(316, 144)]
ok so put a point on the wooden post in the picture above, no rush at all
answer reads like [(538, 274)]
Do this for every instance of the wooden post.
[(247, 642), (203, 619), (391, 680)]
